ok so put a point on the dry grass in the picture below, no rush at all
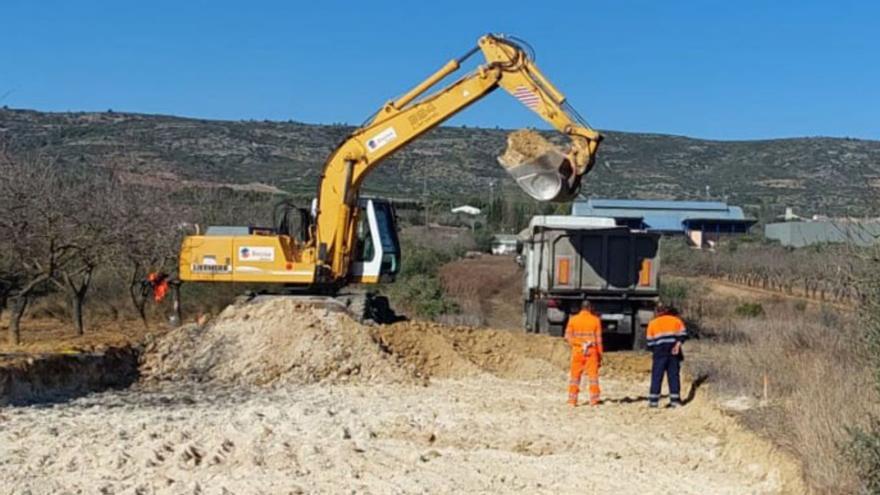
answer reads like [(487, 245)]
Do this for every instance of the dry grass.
[(818, 374), (50, 335), (488, 291)]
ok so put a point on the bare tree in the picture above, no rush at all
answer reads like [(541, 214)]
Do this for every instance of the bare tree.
[(91, 228), (148, 227), (32, 230)]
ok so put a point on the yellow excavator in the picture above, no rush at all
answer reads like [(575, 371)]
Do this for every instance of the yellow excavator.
[(344, 238)]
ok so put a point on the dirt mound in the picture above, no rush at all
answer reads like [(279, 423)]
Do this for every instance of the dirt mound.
[(275, 341), (525, 145), (282, 341), (440, 351)]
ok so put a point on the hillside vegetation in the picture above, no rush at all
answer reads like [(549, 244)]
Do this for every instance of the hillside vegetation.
[(824, 175)]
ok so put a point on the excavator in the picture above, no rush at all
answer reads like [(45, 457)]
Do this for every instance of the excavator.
[(344, 238)]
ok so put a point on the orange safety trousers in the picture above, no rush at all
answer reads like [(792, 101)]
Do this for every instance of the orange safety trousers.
[(581, 362)]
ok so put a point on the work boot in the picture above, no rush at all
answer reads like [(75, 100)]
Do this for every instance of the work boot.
[(674, 404)]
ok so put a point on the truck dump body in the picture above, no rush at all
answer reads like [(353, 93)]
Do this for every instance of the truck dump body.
[(568, 259), (602, 260)]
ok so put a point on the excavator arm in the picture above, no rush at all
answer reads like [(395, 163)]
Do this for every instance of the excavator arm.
[(402, 120)]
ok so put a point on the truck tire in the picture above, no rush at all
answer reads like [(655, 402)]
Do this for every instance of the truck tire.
[(529, 317), (640, 337), (640, 327), (542, 324)]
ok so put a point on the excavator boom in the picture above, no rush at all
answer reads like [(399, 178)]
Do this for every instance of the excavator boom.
[(402, 120), (337, 241)]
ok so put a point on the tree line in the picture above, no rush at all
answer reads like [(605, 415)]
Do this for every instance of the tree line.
[(63, 225), (820, 272)]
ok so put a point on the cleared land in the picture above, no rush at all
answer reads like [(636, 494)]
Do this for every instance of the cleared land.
[(409, 408)]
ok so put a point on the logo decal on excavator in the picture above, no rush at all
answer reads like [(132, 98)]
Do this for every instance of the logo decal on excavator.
[(381, 139), (423, 115), (256, 253)]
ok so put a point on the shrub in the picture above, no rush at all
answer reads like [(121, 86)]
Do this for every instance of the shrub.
[(418, 288), (864, 449), (483, 240), (423, 295), (865, 452), (749, 310), (674, 292)]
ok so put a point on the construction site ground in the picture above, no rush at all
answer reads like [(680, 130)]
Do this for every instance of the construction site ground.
[(282, 398)]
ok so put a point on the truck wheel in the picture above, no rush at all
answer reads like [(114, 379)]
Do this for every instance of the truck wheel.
[(640, 328), (640, 337), (542, 324), (530, 317)]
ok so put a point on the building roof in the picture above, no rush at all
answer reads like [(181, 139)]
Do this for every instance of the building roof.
[(665, 216), (571, 222), (800, 234), (504, 238), (466, 209), (647, 204)]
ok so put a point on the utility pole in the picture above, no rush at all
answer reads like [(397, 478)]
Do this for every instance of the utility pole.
[(491, 200), (425, 198)]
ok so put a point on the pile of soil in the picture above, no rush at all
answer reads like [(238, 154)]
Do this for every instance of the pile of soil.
[(274, 341), (525, 145), (440, 351), (283, 341)]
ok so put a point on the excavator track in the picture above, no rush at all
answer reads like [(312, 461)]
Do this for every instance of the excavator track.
[(367, 308)]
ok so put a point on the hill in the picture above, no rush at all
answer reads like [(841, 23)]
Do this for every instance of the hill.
[(815, 175)]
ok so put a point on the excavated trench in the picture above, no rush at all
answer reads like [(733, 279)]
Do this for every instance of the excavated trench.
[(27, 379)]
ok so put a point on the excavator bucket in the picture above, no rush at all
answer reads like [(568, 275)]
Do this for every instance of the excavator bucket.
[(540, 177), (537, 166)]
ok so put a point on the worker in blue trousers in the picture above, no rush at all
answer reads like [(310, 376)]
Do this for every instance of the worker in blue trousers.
[(666, 333)]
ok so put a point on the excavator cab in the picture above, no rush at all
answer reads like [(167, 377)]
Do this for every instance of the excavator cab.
[(377, 247)]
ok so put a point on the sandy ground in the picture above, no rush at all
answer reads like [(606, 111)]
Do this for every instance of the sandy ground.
[(481, 434), (280, 398)]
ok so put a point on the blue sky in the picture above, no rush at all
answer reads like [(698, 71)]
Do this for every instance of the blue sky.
[(711, 69)]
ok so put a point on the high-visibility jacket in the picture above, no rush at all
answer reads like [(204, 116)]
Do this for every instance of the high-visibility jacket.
[(584, 329), (666, 329), (159, 283)]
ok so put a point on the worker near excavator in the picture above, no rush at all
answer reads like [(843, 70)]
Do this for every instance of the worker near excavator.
[(584, 334), (666, 333), (157, 282)]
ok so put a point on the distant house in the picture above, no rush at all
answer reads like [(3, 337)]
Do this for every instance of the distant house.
[(841, 230), (467, 210), (504, 244), (702, 222)]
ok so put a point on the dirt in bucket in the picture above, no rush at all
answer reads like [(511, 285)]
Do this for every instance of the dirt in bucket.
[(525, 145)]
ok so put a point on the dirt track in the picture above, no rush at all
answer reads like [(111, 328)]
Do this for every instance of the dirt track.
[(480, 434), (461, 411)]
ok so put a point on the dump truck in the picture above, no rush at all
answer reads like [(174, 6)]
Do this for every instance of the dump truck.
[(567, 259)]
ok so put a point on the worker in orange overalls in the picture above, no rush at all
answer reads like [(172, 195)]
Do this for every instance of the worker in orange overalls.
[(158, 283), (584, 335), (666, 332)]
